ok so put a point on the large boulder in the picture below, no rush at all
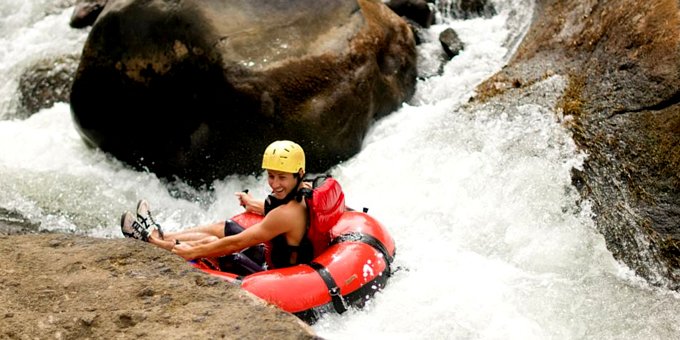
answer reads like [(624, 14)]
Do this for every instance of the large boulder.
[(623, 61), (197, 89)]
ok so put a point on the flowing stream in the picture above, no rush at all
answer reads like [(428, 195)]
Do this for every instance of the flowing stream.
[(492, 240)]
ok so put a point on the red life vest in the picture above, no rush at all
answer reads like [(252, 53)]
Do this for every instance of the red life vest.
[(325, 206)]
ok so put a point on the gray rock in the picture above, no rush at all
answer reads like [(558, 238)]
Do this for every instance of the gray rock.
[(450, 42), (46, 82)]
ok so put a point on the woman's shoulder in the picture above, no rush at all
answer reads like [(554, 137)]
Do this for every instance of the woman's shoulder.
[(290, 210), (296, 207)]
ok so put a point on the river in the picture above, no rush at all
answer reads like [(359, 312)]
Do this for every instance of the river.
[(492, 239)]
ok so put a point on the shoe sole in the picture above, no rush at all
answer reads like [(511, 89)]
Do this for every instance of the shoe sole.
[(139, 204), (123, 218)]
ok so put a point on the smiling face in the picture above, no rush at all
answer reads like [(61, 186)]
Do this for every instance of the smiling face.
[(282, 183)]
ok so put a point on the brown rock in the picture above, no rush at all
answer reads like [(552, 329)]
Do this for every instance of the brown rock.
[(197, 89), (67, 286), (623, 61)]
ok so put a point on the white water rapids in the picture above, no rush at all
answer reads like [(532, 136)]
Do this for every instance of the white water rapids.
[(490, 238)]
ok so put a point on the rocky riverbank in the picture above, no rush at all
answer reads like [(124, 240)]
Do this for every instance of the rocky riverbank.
[(74, 287), (622, 62)]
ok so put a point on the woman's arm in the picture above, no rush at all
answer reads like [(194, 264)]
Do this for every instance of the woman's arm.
[(275, 223)]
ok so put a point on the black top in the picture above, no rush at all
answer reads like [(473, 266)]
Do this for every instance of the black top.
[(282, 254)]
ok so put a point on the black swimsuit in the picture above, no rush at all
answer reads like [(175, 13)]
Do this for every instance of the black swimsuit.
[(248, 261), (282, 254), (252, 259)]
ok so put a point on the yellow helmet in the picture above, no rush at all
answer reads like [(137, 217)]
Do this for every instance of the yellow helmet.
[(285, 156)]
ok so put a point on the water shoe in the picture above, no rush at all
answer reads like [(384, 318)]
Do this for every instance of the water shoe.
[(131, 228), (145, 218)]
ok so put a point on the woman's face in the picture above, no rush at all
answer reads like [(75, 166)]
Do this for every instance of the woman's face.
[(282, 183)]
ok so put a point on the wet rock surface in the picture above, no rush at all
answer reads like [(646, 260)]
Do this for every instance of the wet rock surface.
[(622, 60)]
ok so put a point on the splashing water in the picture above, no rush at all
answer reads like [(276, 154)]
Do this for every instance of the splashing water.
[(491, 242)]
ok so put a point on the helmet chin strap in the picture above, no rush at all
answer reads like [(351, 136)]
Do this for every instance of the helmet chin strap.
[(295, 193)]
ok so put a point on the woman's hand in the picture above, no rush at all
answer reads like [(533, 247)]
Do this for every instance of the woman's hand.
[(249, 203), (243, 198), (184, 250)]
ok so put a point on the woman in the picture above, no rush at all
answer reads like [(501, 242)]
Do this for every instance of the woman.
[(284, 224)]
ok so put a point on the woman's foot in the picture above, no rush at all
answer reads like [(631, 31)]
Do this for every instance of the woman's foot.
[(131, 228), (145, 218)]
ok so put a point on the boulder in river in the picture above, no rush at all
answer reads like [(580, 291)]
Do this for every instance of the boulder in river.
[(197, 89)]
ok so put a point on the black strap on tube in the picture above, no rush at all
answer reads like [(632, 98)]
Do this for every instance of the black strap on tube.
[(338, 301)]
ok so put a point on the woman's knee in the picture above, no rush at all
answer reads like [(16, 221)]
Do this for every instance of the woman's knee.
[(209, 239)]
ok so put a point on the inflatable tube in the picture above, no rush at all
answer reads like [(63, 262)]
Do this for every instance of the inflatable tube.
[(348, 273)]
